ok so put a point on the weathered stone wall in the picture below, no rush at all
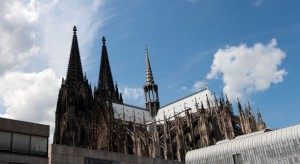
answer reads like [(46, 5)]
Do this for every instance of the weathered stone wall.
[(60, 154)]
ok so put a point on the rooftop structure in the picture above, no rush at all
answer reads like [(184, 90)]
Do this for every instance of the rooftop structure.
[(277, 146)]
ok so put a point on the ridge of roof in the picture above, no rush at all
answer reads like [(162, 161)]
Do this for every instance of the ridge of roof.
[(140, 108), (202, 90)]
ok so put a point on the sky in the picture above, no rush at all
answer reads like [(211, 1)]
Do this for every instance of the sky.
[(248, 49)]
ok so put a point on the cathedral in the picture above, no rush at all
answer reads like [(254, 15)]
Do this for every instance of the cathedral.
[(99, 119)]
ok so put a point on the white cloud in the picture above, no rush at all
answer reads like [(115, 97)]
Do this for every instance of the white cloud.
[(198, 85), (133, 93), (37, 34), (30, 96), (247, 70), (17, 42)]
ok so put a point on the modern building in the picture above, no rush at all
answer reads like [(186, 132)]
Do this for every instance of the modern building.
[(267, 147), (23, 142), (99, 119)]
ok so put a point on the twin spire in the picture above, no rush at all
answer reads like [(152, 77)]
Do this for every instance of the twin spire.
[(74, 73), (105, 81)]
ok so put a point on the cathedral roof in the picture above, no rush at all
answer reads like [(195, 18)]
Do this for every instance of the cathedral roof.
[(184, 103), (74, 72), (178, 106), (131, 112)]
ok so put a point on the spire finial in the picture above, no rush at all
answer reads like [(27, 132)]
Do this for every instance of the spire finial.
[(74, 29), (146, 49), (103, 40)]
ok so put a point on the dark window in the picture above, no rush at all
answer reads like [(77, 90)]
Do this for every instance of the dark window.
[(39, 145), (5, 140), (20, 143)]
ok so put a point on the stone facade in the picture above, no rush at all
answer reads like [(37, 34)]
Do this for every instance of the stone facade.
[(60, 154), (86, 118)]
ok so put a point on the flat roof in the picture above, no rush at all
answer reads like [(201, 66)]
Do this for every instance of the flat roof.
[(24, 127)]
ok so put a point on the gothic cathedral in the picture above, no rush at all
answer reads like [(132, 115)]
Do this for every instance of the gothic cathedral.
[(98, 118)]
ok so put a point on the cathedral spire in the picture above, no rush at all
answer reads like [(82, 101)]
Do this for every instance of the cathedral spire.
[(105, 76), (149, 76), (74, 72), (150, 89)]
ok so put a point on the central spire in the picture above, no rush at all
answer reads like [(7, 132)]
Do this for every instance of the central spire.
[(74, 72), (150, 89), (149, 76), (105, 76)]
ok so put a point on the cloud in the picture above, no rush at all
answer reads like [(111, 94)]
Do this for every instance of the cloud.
[(184, 88), (198, 85), (257, 3), (30, 96), (133, 93), (35, 34), (18, 42), (247, 70)]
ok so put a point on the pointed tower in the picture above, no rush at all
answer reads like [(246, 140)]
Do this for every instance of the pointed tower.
[(74, 73), (105, 82), (73, 104), (150, 90)]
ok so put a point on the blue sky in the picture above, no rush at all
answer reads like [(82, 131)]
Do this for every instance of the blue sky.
[(246, 48)]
